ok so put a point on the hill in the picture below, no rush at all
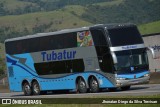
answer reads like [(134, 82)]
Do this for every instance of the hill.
[(21, 25), (52, 15), (122, 11), (16, 7)]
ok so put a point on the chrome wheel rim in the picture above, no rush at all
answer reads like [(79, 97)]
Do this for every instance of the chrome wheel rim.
[(82, 85), (94, 84), (27, 89), (36, 88)]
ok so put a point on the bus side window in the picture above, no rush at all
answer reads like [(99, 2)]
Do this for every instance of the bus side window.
[(78, 65), (68, 66), (70, 40)]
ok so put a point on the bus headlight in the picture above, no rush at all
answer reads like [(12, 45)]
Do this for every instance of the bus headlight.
[(146, 75)]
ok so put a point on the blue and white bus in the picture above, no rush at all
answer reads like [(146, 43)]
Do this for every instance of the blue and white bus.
[(84, 59)]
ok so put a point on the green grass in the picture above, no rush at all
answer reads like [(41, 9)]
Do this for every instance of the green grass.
[(149, 28)]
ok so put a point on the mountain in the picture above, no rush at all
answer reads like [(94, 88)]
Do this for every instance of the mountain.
[(25, 17)]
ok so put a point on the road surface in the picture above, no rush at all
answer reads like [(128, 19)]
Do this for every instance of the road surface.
[(137, 90)]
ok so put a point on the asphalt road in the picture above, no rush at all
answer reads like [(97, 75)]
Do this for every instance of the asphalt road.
[(137, 90)]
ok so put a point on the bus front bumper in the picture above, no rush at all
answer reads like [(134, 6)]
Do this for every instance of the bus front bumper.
[(128, 82)]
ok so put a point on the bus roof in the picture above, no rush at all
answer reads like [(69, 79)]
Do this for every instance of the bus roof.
[(47, 34), (108, 26)]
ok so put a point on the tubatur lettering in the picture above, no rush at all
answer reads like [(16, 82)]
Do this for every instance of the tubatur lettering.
[(58, 56)]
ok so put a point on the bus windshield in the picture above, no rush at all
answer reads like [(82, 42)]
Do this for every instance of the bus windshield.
[(131, 60), (125, 36)]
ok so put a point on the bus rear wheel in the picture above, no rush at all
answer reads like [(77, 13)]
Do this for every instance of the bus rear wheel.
[(82, 87), (27, 89), (35, 88), (93, 84)]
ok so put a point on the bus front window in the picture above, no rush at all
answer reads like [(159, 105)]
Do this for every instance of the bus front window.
[(123, 61), (137, 59), (124, 36)]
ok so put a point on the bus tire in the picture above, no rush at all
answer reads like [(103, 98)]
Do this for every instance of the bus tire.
[(35, 88), (125, 88), (82, 87), (93, 85), (27, 89)]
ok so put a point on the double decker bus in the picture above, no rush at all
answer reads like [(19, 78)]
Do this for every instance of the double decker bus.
[(83, 59)]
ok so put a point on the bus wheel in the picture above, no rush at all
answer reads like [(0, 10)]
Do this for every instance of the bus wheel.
[(35, 88), (27, 89), (82, 87), (93, 84), (125, 88)]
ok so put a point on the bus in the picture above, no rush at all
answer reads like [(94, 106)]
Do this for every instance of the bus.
[(87, 59)]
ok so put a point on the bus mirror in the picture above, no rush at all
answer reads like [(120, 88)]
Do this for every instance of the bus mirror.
[(114, 58), (152, 51)]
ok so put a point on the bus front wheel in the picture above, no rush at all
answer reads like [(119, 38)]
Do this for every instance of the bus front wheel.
[(35, 88), (27, 89), (82, 87)]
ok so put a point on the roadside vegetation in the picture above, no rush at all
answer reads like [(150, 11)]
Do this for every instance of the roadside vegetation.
[(149, 28)]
